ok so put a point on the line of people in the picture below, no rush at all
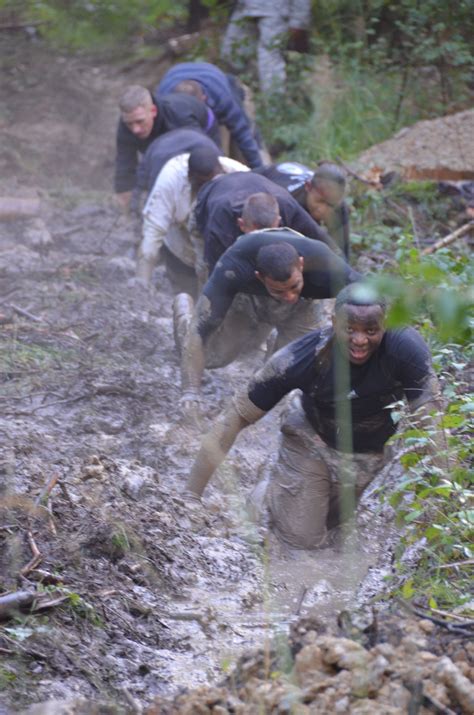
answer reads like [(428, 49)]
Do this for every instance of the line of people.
[(251, 250)]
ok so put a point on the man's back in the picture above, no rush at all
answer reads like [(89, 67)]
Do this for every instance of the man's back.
[(219, 204), (222, 99), (164, 148), (324, 272)]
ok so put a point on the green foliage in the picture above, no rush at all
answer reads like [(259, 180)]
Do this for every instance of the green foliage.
[(432, 503), (433, 500), (78, 24)]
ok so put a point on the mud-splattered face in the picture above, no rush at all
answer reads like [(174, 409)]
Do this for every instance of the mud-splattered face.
[(287, 291), (140, 120), (322, 202), (359, 330)]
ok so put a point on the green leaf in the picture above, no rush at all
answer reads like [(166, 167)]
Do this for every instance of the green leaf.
[(433, 532), (410, 459), (432, 603), (407, 589), (413, 515), (449, 421)]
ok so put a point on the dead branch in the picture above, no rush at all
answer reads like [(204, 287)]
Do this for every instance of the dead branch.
[(29, 651), (44, 577), (450, 238), (301, 597), (45, 605), (464, 628), (367, 182), (46, 491), (26, 313), (454, 564), (454, 616), (13, 602), (11, 208), (37, 557), (52, 525), (22, 26)]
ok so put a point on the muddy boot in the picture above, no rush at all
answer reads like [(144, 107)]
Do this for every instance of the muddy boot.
[(144, 270), (183, 307)]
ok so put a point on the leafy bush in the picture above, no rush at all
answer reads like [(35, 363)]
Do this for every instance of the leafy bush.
[(434, 500)]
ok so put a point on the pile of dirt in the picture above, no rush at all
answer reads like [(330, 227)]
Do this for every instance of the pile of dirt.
[(438, 149), (403, 671)]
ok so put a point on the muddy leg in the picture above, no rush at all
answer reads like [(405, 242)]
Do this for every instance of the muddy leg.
[(298, 492)]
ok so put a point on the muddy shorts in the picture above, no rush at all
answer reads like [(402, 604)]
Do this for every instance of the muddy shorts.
[(311, 483), (249, 322)]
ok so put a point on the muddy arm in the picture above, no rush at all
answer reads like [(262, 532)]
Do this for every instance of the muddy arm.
[(214, 448), (193, 361)]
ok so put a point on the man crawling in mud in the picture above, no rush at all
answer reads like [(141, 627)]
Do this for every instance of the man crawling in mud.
[(334, 432), (269, 278)]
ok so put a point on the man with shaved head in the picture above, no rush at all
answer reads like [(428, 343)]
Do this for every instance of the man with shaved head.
[(268, 278)]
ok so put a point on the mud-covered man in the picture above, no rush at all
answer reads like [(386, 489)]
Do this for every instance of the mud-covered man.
[(333, 434), (320, 192), (219, 205), (266, 279), (168, 208), (143, 119)]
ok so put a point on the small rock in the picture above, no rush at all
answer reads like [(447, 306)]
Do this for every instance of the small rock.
[(426, 625)]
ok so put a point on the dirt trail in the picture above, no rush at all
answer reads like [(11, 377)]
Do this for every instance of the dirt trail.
[(157, 597)]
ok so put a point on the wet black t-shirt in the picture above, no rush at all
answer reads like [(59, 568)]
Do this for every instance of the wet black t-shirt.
[(401, 367), (219, 204), (293, 176), (324, 273)]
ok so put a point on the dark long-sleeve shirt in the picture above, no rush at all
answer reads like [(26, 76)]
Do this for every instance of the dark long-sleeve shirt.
[(222, 99), (220, 202), (324, 273), (174, 110)]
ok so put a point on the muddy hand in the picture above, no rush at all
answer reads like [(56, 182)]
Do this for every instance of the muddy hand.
[(190, 407)]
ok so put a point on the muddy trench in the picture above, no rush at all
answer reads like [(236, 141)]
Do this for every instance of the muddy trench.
[(152, 596)]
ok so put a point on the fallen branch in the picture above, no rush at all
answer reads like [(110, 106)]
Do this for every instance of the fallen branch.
[(22, 26), (454, 564), (26, 313), (12, 602), (29, 651), (450, 238), (464, 628), (46, 491), (367, 182), (37, 557), (299, 602), (11, 208)]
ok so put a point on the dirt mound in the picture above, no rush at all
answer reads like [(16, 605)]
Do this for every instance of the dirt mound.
[(327, 673), (439, 149)]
